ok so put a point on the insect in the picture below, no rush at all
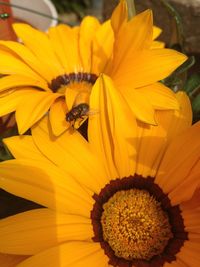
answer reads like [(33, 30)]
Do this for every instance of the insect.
[(4, 16), (76, 113)]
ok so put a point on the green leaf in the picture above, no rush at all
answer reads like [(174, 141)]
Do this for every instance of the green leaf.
[(196, 104), (185, 66), (4, 153), (131, 8), (178, 33), (192, 84)]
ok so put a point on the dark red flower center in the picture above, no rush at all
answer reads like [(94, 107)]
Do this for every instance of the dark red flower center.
[(67, 79), (136, 224)]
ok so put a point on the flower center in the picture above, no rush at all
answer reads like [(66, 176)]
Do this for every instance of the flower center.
[(134, 225), (72, 78)]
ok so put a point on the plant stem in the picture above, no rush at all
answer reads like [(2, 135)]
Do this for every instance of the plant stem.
[(131, 8)]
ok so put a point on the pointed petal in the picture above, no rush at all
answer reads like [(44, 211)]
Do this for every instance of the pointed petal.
[(138, 33), (58, 41), (69, 41), (10, 101), (88, 28), (147, 67), (186, 189), (15, 81), (44, 52), (183, 116), (57, 117), (160, 96), (192, 205), (12, 65), (8, 260), (157, 44), (180, 165), (113, 127), (119, 16), (87, 254), (191, 216), (31, 109), (27, 56), (70, 151), (70, 96), (45, 184), (33, 231), (190, 257), (23, 147), (156, 32), (139, 105), (153, 140), (102, 52)]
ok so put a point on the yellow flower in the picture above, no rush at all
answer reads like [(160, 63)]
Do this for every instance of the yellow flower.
[(54, 71), (156, 32), (127, 197)]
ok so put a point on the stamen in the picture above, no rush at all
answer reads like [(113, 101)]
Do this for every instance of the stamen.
[(134, 225), (67, 79)]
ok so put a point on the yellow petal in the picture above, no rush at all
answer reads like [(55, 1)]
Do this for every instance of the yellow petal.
[(12, 65), (69, 40), (45, 184), (160, 96), (101, 52), (70, 96), (183, 116), (32, 108), (157, 44), (8, 260), (40, 45), (153, 140), (58, 41), (179, 166), (15, 81), (27, 56), (70, 151), (186, 189), (23, 147), (192, 204), (190, 257), (111, 131), (134, 35), (176, 263), (139, 105), (191, 217), (57, 117), (33, 231), (119, 16), (9, 102), (147, 67), (74, 254), (156, 32), (88, 28)]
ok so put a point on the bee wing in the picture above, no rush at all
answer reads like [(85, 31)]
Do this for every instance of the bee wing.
[(92, 112)]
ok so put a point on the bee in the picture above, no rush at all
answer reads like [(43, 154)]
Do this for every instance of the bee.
[(77, 113), (4, 16)]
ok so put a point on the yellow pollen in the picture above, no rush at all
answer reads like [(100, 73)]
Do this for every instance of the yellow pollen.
[(134, 225)]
